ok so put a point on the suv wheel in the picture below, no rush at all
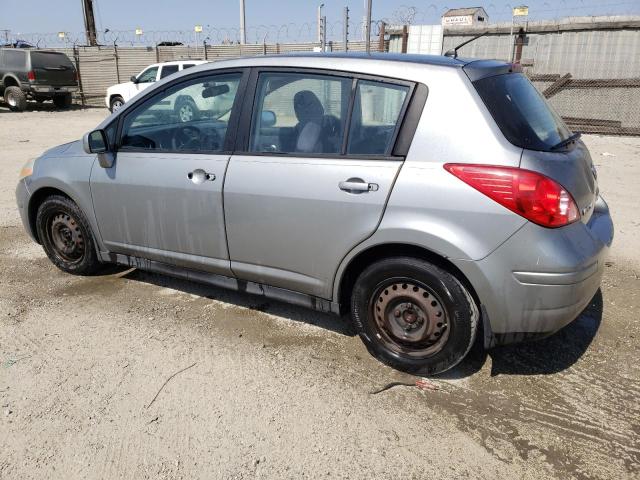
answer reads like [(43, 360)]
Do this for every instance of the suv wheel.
[(62, 100), (15, 98), (187, 110), (66, 237), (413, 315), (116, 103)]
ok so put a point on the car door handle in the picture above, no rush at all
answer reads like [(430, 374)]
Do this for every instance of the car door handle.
[(357, 185), (199, 176)]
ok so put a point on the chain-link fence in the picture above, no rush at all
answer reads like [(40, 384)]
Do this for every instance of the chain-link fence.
[(101, 67)]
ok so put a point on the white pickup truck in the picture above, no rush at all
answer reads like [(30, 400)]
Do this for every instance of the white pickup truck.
[(118, 94)]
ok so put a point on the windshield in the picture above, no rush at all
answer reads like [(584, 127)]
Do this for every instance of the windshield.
[(521, 112), (50, 60)]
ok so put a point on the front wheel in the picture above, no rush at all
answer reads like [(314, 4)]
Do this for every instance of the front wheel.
[(413, 315), (116, 103), (65, 235)]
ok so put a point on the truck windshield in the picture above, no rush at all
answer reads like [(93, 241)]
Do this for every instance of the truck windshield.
[(521, 112), (50, 60)]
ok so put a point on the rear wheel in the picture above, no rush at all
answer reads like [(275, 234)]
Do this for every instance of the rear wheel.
[(413, 315), (66, 237), (116, 103), (15, 98), (62, 100)]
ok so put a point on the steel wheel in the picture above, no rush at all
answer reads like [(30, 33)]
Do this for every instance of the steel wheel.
[(186, 113), (66, 237), (410, 318), (116, 105)]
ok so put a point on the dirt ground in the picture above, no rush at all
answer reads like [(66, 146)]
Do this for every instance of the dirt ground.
[(275, 391)]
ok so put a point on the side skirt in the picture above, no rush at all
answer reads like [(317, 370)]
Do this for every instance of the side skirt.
[(268, 291)]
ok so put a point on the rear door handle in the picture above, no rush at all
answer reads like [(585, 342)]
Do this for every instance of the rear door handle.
[(357, 185)]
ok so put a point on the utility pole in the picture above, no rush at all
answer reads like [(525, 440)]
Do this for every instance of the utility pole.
[(243, 32), (320, 23), (89, 23), (367, 27), (346, 29)]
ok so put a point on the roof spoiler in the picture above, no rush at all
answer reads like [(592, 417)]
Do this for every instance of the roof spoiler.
[(479, 69)]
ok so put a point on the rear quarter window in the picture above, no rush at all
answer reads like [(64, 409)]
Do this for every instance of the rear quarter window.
[(14, 59), (521, 112)]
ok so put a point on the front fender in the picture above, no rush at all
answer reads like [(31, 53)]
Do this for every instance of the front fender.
[(70, 175)]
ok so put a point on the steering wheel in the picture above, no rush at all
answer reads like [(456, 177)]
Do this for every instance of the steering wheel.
[(187, 137)]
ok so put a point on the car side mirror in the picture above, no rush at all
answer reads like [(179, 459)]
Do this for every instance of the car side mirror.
[(267, 119), (96, 142), (134, 79)]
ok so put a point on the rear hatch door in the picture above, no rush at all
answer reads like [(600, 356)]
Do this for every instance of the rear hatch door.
[(528, 121), (52, 68)]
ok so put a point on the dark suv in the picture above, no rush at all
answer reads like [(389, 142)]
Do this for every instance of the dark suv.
[(38, 75)]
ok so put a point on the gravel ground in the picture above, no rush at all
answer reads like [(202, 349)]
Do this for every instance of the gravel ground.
[(275, 391)]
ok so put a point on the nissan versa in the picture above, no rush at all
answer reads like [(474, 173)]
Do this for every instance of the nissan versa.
[(437, 199)]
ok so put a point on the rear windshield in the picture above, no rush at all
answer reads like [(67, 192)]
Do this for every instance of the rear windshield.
[(523, 115), (50, 59)]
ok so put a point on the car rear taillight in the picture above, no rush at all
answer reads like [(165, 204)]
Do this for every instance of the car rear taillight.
[(31, 76), (532, 195)]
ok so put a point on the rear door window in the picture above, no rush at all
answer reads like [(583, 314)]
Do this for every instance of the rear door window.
[(168, 70), (300, 113), (188, 65), (521, 112), (375, 119)]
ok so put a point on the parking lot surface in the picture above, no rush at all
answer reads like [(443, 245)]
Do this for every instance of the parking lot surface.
[(275, 391)]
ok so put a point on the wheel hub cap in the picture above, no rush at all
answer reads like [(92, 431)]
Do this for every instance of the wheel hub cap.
[(410, 319)]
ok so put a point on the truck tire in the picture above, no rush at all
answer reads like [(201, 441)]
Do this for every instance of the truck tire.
[(62, 100), (16, 99)]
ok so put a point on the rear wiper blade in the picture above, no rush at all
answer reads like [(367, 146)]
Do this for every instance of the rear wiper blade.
[(566, 141)]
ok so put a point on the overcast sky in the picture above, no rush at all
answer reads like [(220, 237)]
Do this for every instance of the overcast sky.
[(28, 16)]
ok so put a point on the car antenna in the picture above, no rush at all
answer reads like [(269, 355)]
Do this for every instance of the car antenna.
[(454, 51)]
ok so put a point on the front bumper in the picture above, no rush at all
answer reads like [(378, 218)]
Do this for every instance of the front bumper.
[(541, 279), (22, 200)]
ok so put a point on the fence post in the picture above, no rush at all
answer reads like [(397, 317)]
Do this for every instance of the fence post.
[(205, 49), (115, 53), (405, 38), (157, 55), (383, 28), (76, 56)]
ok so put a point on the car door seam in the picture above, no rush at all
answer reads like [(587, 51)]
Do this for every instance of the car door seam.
[(384, 210)]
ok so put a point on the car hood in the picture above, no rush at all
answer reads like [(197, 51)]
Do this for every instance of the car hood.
[(67, 149), (119, 86)]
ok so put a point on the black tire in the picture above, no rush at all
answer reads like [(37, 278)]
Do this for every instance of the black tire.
[(15, 98), (186, 109), (62, 100), (116, 103), (60, 220), (424, 326)]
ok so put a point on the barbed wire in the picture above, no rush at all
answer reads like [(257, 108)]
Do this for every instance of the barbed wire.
[(306, 32)]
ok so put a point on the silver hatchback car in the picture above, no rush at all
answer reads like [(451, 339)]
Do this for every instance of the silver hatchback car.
[(436, 199)]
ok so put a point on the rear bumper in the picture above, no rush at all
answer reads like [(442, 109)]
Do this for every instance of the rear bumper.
[(49, 90), (541, 279)]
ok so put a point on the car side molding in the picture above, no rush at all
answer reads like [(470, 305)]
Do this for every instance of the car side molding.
[(207, 278)]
